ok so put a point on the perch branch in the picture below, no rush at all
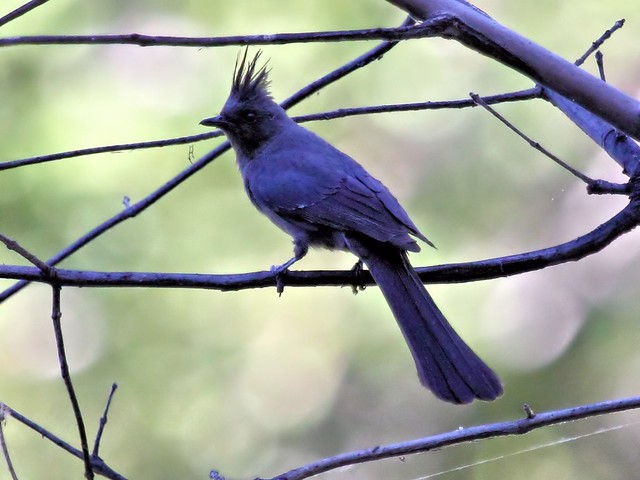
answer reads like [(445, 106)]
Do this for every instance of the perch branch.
[(626, 220)]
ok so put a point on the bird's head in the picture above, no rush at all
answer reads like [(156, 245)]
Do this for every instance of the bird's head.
[(250, 117)]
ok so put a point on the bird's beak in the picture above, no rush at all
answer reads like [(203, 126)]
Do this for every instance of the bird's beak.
[(217, 121)]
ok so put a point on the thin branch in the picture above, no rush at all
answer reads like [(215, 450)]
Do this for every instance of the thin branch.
[(18, 12), (598, 43), (56, 315), (431, 28), (11, 244), (103, 421), (322, 116), (137, 208), (3, 443), (98, 465), (589, 181), (517, 96), (583, 246), (462, 435), (107, 149), (600, 64)]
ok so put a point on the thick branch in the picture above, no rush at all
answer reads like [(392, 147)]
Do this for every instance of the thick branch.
[(481, 33), (618, 146)]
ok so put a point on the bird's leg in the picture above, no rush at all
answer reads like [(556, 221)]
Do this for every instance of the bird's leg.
[(300, 249)]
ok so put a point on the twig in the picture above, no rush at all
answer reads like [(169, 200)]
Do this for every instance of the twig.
[(56, 315), (429, 28), (463, 435), (330, 115), (99, 466), (11, 244), (600, 64), (18, 12), (3, 443), (585, 245), (598, 43), (103, 421), (476, 98), (156, 195)]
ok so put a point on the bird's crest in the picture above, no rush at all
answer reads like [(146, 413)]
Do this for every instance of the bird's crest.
[(248, 80)]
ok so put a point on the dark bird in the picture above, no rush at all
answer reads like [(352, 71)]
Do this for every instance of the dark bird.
[(323, 198)]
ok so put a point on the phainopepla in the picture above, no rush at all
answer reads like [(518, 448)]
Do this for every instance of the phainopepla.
[(324, 198)]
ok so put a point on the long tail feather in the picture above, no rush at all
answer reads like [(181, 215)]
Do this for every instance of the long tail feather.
[(446, 365)]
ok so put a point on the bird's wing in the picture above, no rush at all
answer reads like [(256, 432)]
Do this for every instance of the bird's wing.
[(330, 190)]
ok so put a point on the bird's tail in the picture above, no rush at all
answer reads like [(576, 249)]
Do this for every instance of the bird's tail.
[(446, 365)]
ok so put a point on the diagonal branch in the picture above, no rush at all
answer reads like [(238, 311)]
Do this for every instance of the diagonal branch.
[(521, 426), (18, 12), (98, 465)]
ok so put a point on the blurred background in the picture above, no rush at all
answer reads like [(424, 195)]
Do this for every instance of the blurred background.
[(251, 384)]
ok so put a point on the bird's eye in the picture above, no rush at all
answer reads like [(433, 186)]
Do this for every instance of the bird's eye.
[(249, 116)]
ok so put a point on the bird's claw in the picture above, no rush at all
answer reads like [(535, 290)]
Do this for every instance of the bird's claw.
[(357, 271), (279, 271)]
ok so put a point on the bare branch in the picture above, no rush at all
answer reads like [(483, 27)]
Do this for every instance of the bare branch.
[(56, 315), (103, 421), (3, 443), (18, 12), (588, 244), (431, 28), (107, 149), (521, 426), (619, 147), (478, 100), (24, 253), (98, 465), (600, 64), (598, 43)]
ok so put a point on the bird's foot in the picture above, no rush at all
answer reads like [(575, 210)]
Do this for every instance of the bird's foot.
[(357, 272), (279, 272)]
